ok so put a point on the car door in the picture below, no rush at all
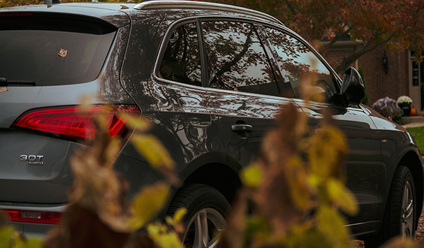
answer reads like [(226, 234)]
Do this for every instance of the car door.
[(364, 169), (173, 98), (243, 89)]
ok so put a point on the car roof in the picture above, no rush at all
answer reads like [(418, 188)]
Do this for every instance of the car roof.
[(113, 13), (117, 13)]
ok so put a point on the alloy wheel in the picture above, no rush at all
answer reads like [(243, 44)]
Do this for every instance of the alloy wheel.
[(204, 228), (407, 210)]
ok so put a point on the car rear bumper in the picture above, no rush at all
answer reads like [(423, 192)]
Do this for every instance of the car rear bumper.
[(28, 229)]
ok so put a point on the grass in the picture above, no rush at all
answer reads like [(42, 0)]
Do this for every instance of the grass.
[(418, 133)]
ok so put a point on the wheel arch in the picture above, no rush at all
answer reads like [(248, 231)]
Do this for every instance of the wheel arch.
[(219, 176)]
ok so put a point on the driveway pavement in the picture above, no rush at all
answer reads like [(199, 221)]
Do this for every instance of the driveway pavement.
[(412, 121)]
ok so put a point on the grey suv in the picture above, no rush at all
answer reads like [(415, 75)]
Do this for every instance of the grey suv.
[(211, 77)]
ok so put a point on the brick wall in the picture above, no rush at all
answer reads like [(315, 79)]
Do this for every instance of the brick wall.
[(379, 84)]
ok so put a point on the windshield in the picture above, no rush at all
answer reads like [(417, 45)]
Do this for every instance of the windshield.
[(52, 57)]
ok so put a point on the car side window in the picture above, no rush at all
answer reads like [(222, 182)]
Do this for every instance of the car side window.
[(181, 61), (236, 58), (297, 61)]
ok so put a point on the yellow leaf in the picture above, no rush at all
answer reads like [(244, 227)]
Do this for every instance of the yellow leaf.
[(313, 181), (153, 150), (179, 214), (147, 203), (176, 221), (6, 235), (332, 226), (252, 175), (328, 146), (163, 237), (297, 178), (137, 122), (340, 195), (27, 243)]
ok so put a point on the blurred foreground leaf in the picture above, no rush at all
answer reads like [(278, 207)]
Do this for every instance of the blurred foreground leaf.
[(251, 175), (176, 220), (147, 203), (332, 226), (163, 237), (6, 236), (10, 238), (341, 196)]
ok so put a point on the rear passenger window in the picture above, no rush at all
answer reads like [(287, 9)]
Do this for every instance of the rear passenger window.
[(181, 61), (296, 61), (236, 58)]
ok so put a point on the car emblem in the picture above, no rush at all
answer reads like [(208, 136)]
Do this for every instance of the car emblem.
[(62, 53), (32, 159)]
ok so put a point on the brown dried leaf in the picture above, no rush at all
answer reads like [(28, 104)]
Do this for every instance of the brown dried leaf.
[(403, 243), (80, 228)]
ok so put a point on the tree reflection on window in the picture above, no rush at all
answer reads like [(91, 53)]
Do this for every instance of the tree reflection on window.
[(296, 61), (236, 58), (181, 61)]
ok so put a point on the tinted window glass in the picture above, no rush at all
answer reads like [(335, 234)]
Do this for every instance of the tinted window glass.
[(236, 57), (181, 61), (52, 57), (296, 61)]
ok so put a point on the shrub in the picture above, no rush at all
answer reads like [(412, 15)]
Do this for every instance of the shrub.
[(388, 107)]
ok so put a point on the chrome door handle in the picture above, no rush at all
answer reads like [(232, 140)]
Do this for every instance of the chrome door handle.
[(242, 129)]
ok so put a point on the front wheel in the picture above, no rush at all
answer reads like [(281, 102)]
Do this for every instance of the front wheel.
[(205, 218), (401, 215)]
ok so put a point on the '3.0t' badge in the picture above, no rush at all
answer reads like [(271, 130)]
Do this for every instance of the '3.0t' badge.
[(32, 159)]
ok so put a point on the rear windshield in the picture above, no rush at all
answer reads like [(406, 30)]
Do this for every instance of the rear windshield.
[(50, 51)]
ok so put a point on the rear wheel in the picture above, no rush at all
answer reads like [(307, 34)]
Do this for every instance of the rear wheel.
[(205, 218), (400, 217)]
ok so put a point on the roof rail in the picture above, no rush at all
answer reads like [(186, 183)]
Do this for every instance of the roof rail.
[(168, 4)]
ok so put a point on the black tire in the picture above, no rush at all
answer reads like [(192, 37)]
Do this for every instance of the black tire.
[(205, 218), (401, 214)]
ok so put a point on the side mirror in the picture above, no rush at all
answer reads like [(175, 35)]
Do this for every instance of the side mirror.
[(353, 86)]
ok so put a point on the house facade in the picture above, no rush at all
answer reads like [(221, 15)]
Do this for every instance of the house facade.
[(386, 73)]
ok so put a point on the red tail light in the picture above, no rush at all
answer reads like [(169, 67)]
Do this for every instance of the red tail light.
[(33, 216), (71, 122)]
